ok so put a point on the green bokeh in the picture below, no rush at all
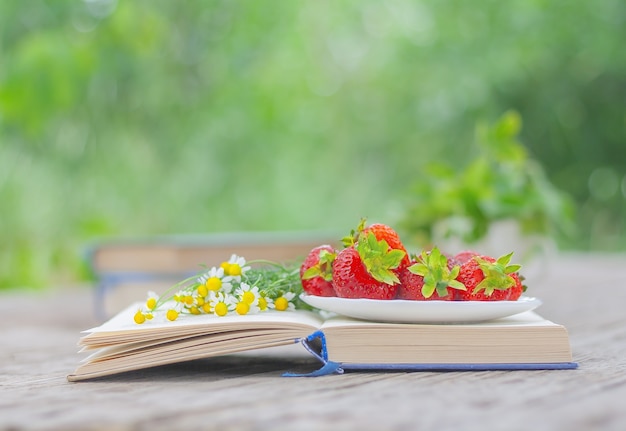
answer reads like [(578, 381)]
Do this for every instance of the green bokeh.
[(135, 118)]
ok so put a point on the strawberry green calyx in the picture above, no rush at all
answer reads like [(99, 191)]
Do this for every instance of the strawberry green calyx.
[(496, 274), (323, 268), (379, 259), (438, 277), (351, 239)]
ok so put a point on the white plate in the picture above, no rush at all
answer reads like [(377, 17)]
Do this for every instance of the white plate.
[(403, 311)]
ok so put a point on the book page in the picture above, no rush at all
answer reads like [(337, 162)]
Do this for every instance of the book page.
[(523, 338), (122, 345), (123, 329)]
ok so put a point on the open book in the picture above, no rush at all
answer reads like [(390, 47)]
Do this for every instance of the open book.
[(521, 341)]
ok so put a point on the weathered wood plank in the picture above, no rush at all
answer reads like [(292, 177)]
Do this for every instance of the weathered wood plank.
[(39, 331)]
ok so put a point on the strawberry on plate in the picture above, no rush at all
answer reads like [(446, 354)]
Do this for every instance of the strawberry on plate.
[(382, 232), (367, 269), (489, 279), (430, 277), (316, 272), (463, 256)]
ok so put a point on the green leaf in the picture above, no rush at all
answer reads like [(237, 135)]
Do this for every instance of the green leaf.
[(428, 288), (512, 268), (379, 259), (419, 269), (509, 126), (455, 284), (491, 283), (312, 272), (496, 274), (393, 258), (504, 260), (433, 266), (326, 260), (323, 268), (384, 275)]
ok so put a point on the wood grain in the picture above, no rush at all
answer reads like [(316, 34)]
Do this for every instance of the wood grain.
[(586, 293)]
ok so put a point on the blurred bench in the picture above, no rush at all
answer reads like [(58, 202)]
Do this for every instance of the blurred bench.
[(125, 270)]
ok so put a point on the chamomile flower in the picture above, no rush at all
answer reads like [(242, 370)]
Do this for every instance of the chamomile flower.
[(235, 267), (152, 301), (222, 290), (221, 303), (248, 294), (265, 303), (214, 280), (283, 303), (174, 311), (248, 299), (180, 296), (243, 307), (139, 317)]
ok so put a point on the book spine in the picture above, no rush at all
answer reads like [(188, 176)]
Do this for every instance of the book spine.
[(315, 344), (462, 367)]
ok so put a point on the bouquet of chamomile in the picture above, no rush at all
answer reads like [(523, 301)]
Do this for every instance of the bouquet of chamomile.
[(236, 286)]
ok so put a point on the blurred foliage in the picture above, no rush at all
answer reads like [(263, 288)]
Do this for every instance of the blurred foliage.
[(150, 117), (499, 182)]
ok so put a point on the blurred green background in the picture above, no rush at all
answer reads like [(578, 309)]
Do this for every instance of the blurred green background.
[(148, 117)]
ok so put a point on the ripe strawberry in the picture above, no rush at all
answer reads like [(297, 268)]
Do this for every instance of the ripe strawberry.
[(518, 288), (463, 256), (430, 273), (381, 232), (488, 279), (368, 269), (316, 272)]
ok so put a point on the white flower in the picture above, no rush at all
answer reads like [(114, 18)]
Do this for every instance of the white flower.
[(283, 303), (248, 299), (213, 272), (215, 280), (235, 267), (248, 294), (265, 303), (151, 301), (221, 303)]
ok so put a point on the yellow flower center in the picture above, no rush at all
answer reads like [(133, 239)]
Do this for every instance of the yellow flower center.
[(214, 283), (188, 300), (203, 290), (262, 303), (194, 310), (151, 303), (242, 308), (200, 301), (171, 315), (226, 267), (221, 309), (281, 303), (206, 307), (234, 269), (248, 297), (139, 317)]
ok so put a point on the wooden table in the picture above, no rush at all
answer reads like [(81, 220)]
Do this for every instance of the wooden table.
[(586, 293)]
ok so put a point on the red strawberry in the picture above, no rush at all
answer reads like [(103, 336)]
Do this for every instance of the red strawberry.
[(488, 279), (316, 272), (381, 232), (463, 256), (411, 285), (430, 278), (369, 269), (518, 288)]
